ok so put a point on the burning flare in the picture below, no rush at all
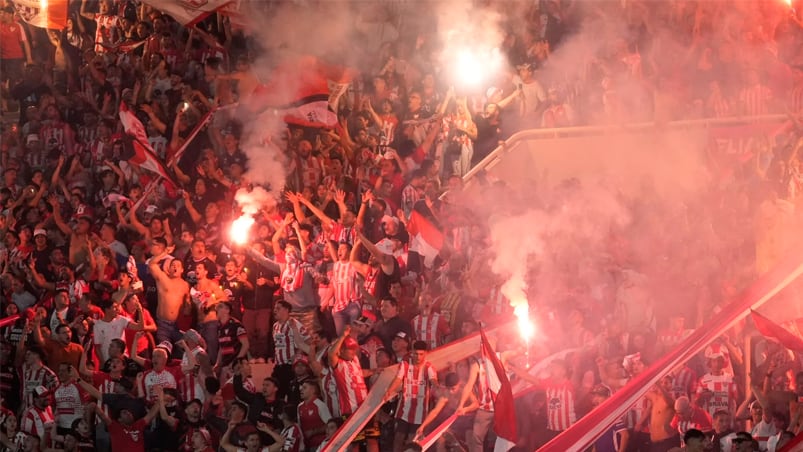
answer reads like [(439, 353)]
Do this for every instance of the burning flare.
[(526, 327), (240, 227)]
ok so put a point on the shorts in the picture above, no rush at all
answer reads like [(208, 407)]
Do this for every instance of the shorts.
[(405, 428), (11, 69)]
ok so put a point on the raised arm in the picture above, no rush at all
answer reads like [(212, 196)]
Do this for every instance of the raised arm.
[(385, 260), (63, 227), (85, 13), (360, 266), (158, 274), (326, 222)]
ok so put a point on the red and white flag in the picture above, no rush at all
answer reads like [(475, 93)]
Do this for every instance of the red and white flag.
[(123, 47), (777, 333), (425, 238), (502, 394), (50, 14), (304, 91), (175, 157), (796, 445), (142, 153), (587, 429), (188, 12), (113, 198)]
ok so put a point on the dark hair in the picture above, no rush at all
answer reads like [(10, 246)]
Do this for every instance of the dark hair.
[(160, 241), (392, 300), (693, 433), (290, 412), (420, 346), (38, 351), (285, 305), (720, 413)]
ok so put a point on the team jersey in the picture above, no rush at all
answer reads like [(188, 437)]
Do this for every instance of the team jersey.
[(108, 32), (32, 378), (351, 389), (152, 378), (293, 439), (190, 386), (416, 385), (37, 422), (105, 385), (430, 328), (699, 419), (684, 382), (229, 344), (344, 282), (560, 405), (329, 390), (285, 340), (69, 403), (724, 392), (313, 415)]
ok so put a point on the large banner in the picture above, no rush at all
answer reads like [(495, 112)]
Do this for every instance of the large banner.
[(590, 427)]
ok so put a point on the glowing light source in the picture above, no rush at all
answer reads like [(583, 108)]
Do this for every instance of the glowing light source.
[(239, 229), (469, 68), (526, 327)]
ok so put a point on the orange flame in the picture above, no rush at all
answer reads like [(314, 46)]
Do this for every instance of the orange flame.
[(239, 229)]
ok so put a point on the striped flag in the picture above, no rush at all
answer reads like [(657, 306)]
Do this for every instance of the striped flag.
[(188, 12), (425, 239), (502, 391), (777, 333), (586, 430), (140, 152), (175, 157), (50, 14)]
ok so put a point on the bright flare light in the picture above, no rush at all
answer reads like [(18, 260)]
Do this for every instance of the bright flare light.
[(469, 68), (526, 327), (239, 229)]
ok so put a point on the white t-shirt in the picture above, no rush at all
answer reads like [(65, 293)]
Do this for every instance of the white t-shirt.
[(106, 331)]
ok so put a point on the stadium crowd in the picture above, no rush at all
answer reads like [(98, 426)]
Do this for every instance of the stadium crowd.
[(141, 323)]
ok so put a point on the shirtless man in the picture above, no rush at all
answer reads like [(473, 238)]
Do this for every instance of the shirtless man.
[(447, 404), (662, 435), (205, 295), (173, 293)]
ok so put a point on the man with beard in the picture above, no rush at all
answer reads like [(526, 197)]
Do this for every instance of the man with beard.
[(382, 268), (190, 424)]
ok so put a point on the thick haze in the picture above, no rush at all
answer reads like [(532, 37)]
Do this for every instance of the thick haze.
[(645, 210)]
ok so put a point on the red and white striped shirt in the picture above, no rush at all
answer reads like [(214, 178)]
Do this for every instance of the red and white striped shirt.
[(684, 382), (755, 100), (724, 392), (341, 234), (190, 386), (107, 32), (344, 283), (699, 419), (329, 389), (37, 422), (32, 378), (351, 389), (560, 405), (416, 384), (370, 280), (293, 439), (430, 328), (69, 401), (637, 412), (285, 341)]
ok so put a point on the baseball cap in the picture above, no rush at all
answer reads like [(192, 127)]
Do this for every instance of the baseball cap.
[(32, 138), (402, 335), (385, 246), (39, 231), (166, 346), (192, 335)]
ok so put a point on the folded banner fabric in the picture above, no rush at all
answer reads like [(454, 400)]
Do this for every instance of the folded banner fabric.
[(590, 427)]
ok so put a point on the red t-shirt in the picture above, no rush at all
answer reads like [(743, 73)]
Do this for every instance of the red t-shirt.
[(129, 439), (11, 38)]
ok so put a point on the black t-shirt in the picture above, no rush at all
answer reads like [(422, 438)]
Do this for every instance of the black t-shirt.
[(388, 330)]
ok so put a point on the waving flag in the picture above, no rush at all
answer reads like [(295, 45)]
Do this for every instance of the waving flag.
[(188, 12), (50, 14), (140, 152), (425, 238), (304, 91), (502, 391), (777, 333)]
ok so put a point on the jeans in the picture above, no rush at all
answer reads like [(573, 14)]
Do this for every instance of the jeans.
[(103, 442), (168, 331), (344, 318), (258, 325), (209, 331), (308, 318), (475, 438)]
